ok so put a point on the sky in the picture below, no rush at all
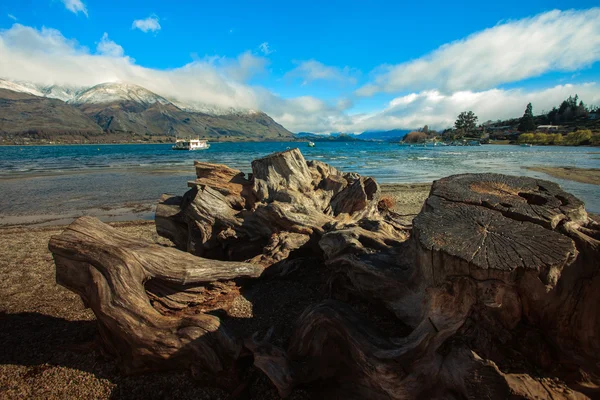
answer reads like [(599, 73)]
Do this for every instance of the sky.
[(317, 66)]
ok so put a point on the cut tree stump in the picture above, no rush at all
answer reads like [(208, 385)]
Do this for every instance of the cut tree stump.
[(498, 277)]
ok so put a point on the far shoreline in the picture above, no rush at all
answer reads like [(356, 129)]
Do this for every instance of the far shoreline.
[(298, 140), (145, 143)]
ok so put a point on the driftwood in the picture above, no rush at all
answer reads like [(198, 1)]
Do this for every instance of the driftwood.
[(496, 284), (117, 276), (287, 204)]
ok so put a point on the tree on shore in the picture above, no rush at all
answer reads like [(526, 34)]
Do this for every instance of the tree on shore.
[(415, 137), (466, 122), (578, 138), (527, 124)]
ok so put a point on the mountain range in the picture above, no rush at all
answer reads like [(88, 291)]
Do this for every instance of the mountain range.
[(120, 112), (393, 135)]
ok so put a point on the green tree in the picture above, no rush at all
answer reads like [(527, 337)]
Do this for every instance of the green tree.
[(527, 124), (542, 138), (556, 138), (466, 122), (449, 134), (578, 138)]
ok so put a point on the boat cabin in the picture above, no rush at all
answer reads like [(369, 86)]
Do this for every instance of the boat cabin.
[(190, 144)]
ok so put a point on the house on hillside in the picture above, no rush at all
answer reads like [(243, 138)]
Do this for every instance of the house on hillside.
[(593, 115), (547, 128)]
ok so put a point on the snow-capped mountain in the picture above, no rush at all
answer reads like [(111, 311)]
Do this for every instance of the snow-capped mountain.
[(64, 93), (21, 87), (114, 92), (124, 109), (211, 109)]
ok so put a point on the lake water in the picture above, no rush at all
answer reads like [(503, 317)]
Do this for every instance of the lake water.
[(50, 179)]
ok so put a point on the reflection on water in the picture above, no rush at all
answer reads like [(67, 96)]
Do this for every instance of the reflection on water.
[(121, 173)]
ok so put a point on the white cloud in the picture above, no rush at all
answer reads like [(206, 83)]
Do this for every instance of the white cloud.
[(46, 56), (415, 110), (109, 48), (30, 42), (75, 6), (265, 49), (149, 24), (312, 70), (509, 52), (246, 66), (439, 110), (12, 17)]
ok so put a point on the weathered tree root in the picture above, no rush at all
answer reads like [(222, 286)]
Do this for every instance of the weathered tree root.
[(109, 270), (498, 271), (287, 204)]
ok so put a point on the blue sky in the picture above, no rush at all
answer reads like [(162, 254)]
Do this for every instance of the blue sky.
[(319, 66)]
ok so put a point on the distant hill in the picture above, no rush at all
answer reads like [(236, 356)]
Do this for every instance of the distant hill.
[(121, 112), (333, 137), (384, 135), (22, 113), (391, 135)]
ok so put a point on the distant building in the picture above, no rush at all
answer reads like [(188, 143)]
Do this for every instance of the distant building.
[(547, 128), (593, 115)]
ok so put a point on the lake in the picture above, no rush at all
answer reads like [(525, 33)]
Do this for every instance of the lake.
[(50, 179)]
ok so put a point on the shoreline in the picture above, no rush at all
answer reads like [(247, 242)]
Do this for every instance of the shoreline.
[(407, 196), (589, 176), (408, 199), (149, 143), (123, 213), (178, 169)]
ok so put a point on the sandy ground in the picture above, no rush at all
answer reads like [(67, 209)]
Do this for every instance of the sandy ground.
[(46, 334), (582, 175), (125, 212), (408, 198)]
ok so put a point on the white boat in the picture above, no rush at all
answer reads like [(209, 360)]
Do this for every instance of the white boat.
[(311, 144), (190, 144)]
